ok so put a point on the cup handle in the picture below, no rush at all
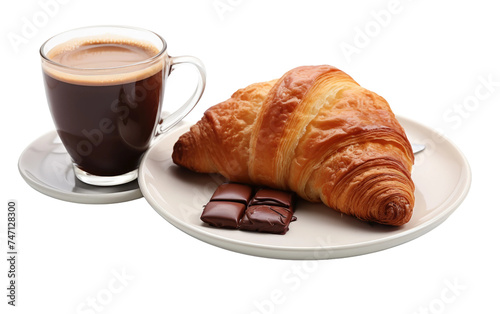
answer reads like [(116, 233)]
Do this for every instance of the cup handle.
[(170, 120)]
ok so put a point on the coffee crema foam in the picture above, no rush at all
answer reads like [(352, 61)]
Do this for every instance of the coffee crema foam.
[(103, 60)]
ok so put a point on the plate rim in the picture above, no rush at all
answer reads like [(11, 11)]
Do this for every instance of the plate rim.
[(304, 252)]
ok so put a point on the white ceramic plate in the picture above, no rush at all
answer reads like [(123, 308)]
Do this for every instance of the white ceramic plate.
[(441, 174), (46, 166)]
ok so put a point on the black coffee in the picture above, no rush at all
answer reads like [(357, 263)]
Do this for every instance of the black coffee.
[(105, 121)]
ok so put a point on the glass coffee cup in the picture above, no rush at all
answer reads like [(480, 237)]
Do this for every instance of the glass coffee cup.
[(104, 86)]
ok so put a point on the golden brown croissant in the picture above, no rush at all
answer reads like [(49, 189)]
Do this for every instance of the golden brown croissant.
[(316, 132)]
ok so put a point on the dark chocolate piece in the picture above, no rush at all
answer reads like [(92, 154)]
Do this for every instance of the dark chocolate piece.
[(268, 211), (273, 197), (223, 214), (232, 192), (265, 218)]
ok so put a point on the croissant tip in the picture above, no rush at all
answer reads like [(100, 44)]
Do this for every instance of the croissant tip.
[(397, 213), (178, 152)]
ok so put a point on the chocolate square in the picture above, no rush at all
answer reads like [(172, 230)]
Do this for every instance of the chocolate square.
[(268, 211), (266, 196), (232, 192), (266, 218), (223, 214)]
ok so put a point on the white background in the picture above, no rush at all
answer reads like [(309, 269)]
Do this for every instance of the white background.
[(427, 58)]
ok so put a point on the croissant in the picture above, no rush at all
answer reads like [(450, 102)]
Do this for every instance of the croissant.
[(316, 132)]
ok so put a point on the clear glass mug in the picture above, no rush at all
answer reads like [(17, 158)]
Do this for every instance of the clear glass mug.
[(104, 86)]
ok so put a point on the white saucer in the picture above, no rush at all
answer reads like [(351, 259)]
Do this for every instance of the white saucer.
[(441, 174), (46, 166)]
